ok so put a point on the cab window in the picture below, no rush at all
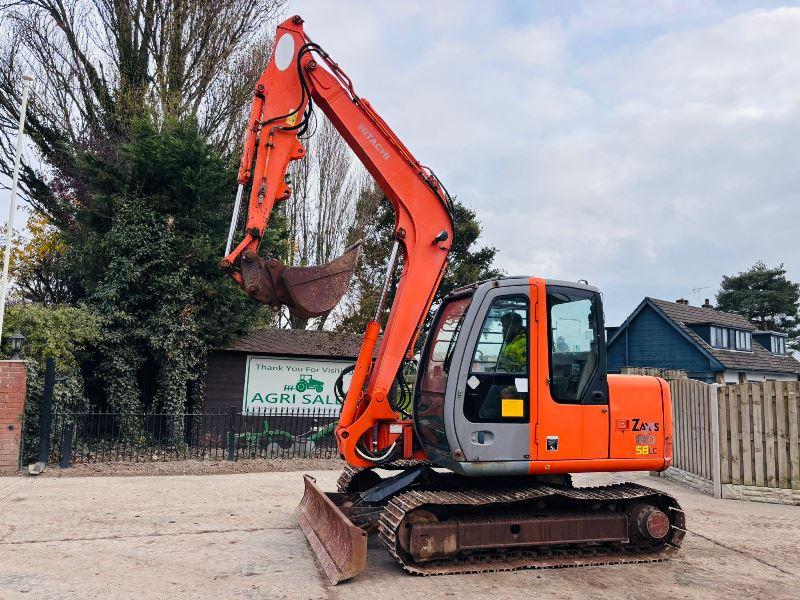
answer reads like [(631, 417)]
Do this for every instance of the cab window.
[(442, 343), (497, 385), (436, 362), (574, 345)]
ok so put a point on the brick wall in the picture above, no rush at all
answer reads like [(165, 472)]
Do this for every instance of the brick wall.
[(12, 403)]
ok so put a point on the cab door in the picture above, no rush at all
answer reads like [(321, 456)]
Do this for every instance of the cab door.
[(572, 390), (492, 411)]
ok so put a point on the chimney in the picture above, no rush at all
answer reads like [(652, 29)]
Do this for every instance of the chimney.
[(683, 301), (707, 304)]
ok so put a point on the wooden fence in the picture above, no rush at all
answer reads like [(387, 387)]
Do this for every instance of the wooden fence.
[(738, 435), (760, 445), (692, 407)]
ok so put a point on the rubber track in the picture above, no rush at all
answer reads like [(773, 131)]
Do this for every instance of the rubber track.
[(510, 560)]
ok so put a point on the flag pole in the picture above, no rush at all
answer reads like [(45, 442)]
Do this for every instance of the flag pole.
[(12, 209)]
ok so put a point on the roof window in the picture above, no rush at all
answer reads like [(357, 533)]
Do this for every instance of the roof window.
[(730, 339)]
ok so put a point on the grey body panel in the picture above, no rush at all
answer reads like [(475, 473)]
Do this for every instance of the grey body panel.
[(483, 468), (506, 450), (502, 441)]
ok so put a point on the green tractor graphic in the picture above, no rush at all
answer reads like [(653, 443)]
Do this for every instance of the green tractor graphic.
[(306, 382)]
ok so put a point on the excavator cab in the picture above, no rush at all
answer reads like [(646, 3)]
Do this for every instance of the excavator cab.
[(513, 381)]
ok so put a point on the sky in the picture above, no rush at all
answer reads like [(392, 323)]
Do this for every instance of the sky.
[(648, 147)]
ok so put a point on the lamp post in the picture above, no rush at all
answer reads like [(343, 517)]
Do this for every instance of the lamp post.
[(16, 344), (12, 209)]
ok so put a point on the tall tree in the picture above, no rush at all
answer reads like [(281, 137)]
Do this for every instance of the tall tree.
[(766, 297), (101, 64), (152, 274), (37, 264), (372, 224), (138, 108)]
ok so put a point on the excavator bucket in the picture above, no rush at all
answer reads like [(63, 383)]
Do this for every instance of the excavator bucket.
[(339, 545), (307, 291)]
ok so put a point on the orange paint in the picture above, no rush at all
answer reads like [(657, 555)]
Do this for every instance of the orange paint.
[(594, 437)]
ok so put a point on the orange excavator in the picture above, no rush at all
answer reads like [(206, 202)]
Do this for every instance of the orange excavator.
[(511, 394)]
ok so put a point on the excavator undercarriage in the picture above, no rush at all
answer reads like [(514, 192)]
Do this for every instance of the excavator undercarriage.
[(445, 523)]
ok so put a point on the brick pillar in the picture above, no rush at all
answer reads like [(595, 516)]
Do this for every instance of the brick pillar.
[(12, 403)]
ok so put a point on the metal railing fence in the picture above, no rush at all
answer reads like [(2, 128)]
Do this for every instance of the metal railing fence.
[(89, 437)]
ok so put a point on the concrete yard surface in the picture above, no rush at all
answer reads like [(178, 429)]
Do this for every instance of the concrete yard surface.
[(235, 536)]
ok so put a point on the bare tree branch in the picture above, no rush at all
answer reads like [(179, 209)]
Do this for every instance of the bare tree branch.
[(100, 64)]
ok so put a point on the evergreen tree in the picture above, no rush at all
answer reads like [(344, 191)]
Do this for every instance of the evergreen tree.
[(766, 297), (147, 265)]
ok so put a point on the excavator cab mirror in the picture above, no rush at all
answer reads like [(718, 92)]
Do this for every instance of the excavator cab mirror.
[(308, 291)]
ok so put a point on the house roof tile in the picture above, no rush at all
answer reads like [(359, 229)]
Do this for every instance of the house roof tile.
[(696, 315), (760, 359), (298, 342)]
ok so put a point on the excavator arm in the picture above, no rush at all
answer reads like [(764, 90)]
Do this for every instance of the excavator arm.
[(300, 73)]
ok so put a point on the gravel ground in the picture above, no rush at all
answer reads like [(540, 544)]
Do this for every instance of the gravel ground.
[(193, 467), (236, 536)]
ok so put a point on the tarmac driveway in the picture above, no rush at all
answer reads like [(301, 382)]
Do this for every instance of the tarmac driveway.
[(235, 536)]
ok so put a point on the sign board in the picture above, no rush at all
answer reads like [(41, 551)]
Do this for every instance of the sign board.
[(303, 385)]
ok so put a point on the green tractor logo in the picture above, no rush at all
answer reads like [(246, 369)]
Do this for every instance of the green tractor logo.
[(306, 382)]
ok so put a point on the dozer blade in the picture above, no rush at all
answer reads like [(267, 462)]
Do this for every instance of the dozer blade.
[(307, 291), (339, 545)]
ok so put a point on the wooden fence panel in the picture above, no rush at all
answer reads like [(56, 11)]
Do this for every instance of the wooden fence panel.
[(700, 400), (758, 438), (691, 402), (724, 437), (756, 404), (735, 434), (743, 393), (690, 410), (684, 423), (781, 434), (794, 437), (681, 423), (704, 392), (770, 434), (697, 427)]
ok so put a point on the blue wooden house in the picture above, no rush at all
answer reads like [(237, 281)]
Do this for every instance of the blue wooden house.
[(710, 345)]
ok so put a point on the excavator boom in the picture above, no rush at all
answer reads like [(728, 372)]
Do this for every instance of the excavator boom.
[(300, 74)]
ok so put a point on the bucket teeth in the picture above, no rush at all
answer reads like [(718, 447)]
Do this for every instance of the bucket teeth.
[(339, 545)]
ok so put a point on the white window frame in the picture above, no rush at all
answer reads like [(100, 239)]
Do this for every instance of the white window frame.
[(743, 340), (777, 344)]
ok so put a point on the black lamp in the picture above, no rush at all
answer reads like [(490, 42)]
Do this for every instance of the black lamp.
[(16, 344)]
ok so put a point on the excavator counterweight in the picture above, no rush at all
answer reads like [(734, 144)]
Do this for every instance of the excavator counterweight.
[(512, 394)]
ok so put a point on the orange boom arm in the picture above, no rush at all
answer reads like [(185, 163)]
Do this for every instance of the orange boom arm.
[(300, 73)]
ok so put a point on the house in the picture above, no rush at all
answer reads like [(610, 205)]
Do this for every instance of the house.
[(710, 345)]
